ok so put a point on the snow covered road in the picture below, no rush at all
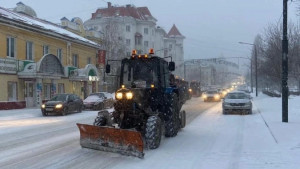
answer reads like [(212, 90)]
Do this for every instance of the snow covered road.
[(209, 141)]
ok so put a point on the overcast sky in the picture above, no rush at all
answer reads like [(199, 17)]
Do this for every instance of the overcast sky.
[(212, 28)]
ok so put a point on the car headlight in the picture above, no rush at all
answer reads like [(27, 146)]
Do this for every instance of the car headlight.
[(119, 95), (190, 90), (216, 96), (43, 106), (58, 106), (129, 95), (204, 96)]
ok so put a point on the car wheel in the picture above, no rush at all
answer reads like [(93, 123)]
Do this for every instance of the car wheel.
[(250, 111), (65, 111), (224, 111), (80, 109), (101, 106), (44, 113)]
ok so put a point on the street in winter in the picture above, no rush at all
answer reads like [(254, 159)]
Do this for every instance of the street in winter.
[(140, 84), (209, 140)]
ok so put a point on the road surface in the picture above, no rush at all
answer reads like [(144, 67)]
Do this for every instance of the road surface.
[(209, 140)]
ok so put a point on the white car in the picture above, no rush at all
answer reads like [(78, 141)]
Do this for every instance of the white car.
[(98, 101), (211, 95), (237, 101)]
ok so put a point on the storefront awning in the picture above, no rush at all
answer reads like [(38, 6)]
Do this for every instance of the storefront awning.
[(49, 66), (89, 73)]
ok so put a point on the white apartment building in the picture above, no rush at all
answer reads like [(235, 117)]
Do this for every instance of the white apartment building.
[(124, 28)]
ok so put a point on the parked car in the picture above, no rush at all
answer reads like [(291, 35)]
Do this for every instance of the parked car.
[(98, 101), (237, 101), (62, 104), (211, 95)]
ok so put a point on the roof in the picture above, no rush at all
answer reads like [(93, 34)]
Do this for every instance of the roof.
[(174, 32), (41, 24), (141, 13)]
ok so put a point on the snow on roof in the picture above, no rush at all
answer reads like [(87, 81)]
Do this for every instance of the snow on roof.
[(46, 25), (174, 32), (142, 13)]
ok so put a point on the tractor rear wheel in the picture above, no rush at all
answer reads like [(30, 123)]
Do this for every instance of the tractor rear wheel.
[(153, 132), (173, 124)]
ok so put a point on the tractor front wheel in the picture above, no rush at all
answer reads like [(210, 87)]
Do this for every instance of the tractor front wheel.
[(153, 132), (100, 120)]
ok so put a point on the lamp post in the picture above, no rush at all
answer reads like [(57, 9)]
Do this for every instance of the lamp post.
[(255, 58), (284, 84)]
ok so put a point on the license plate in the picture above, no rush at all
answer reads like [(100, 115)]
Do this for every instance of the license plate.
[(49, 109)]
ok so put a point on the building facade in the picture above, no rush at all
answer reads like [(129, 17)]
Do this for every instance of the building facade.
[(124, 28), (39, 59), (216, 71)]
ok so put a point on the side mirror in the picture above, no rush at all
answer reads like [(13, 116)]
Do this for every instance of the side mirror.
[(107, 69), (171, 66)]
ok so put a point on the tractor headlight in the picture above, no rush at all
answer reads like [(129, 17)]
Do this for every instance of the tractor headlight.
[(43, 106), (58, 106), (119, 95), (129, 95)]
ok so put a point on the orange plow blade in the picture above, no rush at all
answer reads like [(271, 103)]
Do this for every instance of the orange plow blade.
[(126, 142)]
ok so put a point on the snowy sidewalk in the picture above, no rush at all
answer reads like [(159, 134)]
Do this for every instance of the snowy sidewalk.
[(286, 135)]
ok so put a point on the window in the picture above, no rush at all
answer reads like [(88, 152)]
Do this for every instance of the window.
[(29, 50), (146, 31), (59, 54), (61, 88), (128, 42), (12, 91), (11, 47), (45, 49), (138, 40), (89, 60), (146, 43), (170, 47), (127, 28), (75, 60)]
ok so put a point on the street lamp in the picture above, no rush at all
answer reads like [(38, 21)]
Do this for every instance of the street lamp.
[(255, 55)]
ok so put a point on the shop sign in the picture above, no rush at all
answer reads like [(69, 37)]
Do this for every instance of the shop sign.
[(93, 78), (101, 57), (8, 66)]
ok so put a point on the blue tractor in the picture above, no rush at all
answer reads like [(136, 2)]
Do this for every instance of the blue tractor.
[(147, 106)]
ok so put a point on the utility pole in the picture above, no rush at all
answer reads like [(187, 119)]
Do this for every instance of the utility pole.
[(255, 59), (256, 86), (251, 78), (284, 84)]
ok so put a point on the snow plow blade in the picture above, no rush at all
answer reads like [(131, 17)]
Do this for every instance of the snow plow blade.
[(126, 142)]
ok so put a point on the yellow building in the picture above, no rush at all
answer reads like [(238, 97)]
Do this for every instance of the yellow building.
[(39, 59)]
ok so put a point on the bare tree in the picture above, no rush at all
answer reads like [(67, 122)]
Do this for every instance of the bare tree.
[(270, 55), (115, 47)]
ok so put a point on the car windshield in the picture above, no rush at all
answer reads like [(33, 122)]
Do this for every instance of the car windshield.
[(59, 98), (140, 74), (211, 92), (236, 96), (97, 95), (92, 97)]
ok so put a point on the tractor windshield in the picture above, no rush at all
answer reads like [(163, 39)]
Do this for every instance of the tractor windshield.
[(140, 74)]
